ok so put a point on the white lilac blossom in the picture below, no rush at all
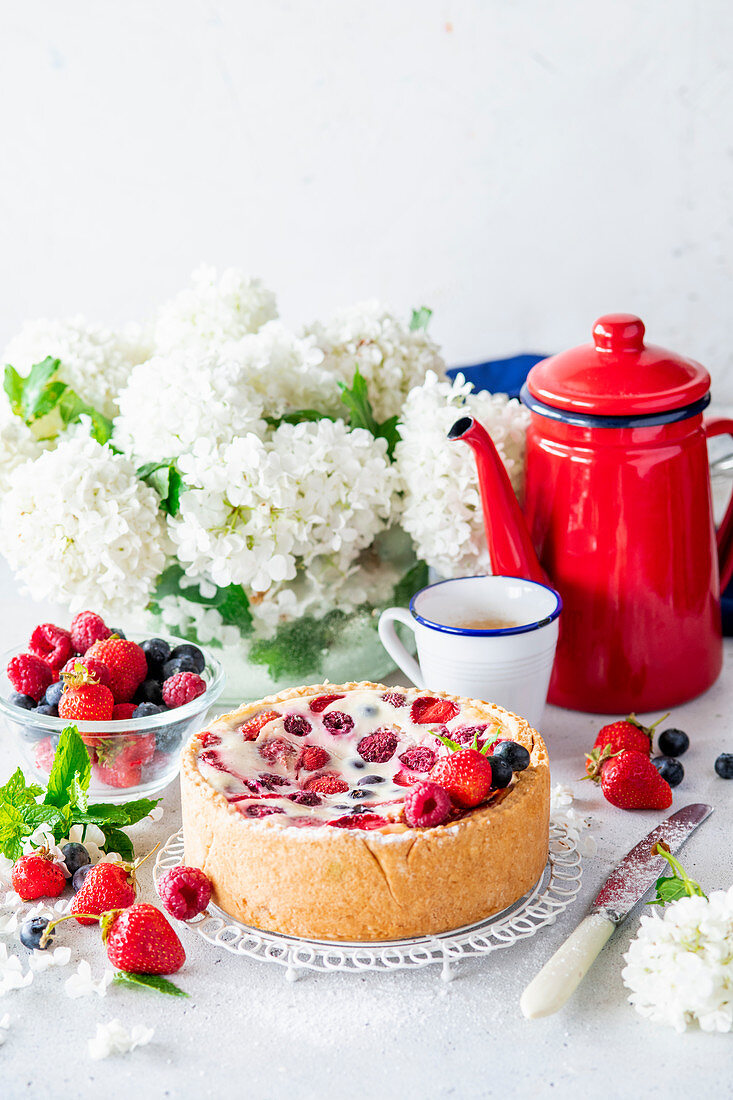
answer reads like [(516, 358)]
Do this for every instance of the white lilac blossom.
[(214, 310), (78, 527), (17, 445), (442, 508), (44, 960), (81, 983), (389, 355), (11, 972), (95, 361), (114, 1038), (679, 967)]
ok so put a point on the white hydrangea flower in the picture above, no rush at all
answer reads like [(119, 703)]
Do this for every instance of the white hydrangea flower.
[(214, 310), (679, 967), (95, 361), (4, 1026), (81, 983), (387, 353), (442, 507), (79, 528), (44, 960), (17, 445), (11, 972), (114, 1038)]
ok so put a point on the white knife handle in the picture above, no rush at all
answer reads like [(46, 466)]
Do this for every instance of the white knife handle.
[(562, 974)]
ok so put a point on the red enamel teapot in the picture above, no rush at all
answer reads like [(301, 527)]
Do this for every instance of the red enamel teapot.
[(618, 516)]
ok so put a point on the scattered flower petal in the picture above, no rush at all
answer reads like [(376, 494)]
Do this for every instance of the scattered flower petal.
[(81, 983), (114, 1038)]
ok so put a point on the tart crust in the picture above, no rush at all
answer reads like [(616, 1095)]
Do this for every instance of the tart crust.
[(392, 883)]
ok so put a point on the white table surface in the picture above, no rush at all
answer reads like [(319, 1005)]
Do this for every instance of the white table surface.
[(247, 1032)]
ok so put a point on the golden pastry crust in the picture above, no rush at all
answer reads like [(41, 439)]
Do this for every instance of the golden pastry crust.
[(390, 883)]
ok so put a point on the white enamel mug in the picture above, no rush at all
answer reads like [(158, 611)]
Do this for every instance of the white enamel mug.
[(507, 664)]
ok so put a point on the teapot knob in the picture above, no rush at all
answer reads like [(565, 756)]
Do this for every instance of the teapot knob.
[(619, 332)]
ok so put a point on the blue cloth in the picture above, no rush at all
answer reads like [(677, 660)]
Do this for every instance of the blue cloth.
[(508, 376)]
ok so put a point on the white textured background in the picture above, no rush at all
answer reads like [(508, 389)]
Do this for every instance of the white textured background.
[(521, 167)]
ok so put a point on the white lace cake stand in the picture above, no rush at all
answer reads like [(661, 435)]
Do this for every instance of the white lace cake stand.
[(553, 893)]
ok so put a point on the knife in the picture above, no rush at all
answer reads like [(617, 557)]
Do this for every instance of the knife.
[(624, 887)]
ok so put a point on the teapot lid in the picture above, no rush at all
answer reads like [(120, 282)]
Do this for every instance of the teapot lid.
[(618, 374)]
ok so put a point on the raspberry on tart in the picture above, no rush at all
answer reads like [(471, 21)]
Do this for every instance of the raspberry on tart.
[(314, 813)]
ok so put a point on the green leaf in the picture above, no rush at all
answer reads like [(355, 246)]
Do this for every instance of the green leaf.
[(447, 741), (678, 884), (414, 579), (167, 481), (234, 608), (297, 417), (139, 809), (297, 648), (17, 791), (361, 415), (43, 814), (13, 385), (420, 319), (70, 772), (117, 841), (12, 831), (231, 602), (72, 408), (148, 981), (33, 402)]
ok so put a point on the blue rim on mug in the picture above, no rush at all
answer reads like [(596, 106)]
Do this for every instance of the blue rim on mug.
[(470, 633)]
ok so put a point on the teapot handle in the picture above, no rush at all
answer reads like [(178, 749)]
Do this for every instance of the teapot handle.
[(723, 426)]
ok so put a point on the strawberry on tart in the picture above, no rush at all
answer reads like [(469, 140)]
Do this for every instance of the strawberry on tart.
[(361, 812)]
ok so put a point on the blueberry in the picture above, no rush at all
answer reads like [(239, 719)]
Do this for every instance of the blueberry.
[(358, 810), (79, 877), (33, 733), (371, 779), (168, 739), (514, 754), (116, 630), (673, 742), (357, 793), (724, 765), (183, 663), (144, 710), (53, 693), (369, 711), (148, 692), (157, 651), (27, 702), (31, 932), (191, 651), (669, 769), (45, 708), (501, 771), (358, 763), (75, 856)]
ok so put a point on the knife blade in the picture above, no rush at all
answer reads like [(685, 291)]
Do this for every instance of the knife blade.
[(624, 887)]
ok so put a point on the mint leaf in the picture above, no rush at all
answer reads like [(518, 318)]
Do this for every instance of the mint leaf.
[(70, 772), (148, 981), (361, 415), (138, 809), (44, 814), (17, 791), (12, 831), (117, 841), (420, 319)]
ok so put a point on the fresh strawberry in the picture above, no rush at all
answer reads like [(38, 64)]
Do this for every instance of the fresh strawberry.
[(465, 775), (311, 758), (107, 886), (630, 780), (359, 821), (44, 754), (426, 710), (85, 700), (626, 733), (29, 674), (142, 941), (319, 704), (97, 669), (37, 876), (330, 783), (120, 772), (250, 731), (52, 643), (126, 662), (86, 629)]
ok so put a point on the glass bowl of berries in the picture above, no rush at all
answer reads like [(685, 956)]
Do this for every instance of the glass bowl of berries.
[(133, 699)]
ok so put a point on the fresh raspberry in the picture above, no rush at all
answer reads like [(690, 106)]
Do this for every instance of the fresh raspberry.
[(269, 780), (426, 805), (319, 704), (107, 886), (212, 758), (29, 674), (359, 821), (418, 759), (305, 798), (402, 779), (44, 754), (466, 775), (277, 748), (297, 725), (377, 747), (127, 665), (91, 664), (395, 699), (185, 892), (85, 700), (336, 722), (427, 709), (86, 629), (182, 688), (311, 758), (466, 735), (37, 876), (122, 711), (52, 643), (258, 810), (326, 784), (250, 731)]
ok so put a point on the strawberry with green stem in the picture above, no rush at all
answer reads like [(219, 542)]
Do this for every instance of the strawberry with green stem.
[(626, 733), (466, 773), (139, 939)]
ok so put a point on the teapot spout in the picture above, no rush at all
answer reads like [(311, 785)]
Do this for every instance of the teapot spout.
[(510, 546)]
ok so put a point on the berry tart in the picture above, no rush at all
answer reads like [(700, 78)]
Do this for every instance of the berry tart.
[(361, 812)]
